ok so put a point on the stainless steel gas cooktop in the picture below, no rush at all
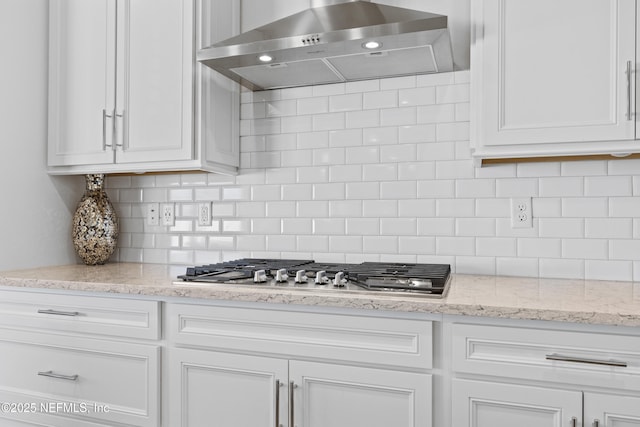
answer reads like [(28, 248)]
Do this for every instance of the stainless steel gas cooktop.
[(429, 280)]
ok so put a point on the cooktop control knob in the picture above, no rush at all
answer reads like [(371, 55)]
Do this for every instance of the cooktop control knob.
[(301, 276), (260, 276), (321, 278), (281, 275), (339, 280)]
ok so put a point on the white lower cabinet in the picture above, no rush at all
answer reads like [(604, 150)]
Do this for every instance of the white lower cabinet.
[(248, 367), (505, 375), (78, 361), (490, 404), (603, 410), (249, 391)]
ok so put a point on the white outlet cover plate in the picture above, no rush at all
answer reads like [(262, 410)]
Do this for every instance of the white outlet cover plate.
[(153, 214), (521, 213), (167, 214), (204, 213)]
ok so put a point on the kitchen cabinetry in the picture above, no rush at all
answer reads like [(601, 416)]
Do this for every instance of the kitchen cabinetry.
[(561, 374), (553, 79), (79, 361), (297, 369), (123, 79)]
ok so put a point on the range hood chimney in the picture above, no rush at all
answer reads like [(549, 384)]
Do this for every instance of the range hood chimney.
[(334, 41)]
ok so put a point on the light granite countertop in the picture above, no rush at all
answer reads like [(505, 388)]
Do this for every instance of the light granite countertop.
[(577, 301)]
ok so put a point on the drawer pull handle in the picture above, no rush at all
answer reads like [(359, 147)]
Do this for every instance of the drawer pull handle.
[(58, 312), (574, 422), (596, 423), (562, 358), (52, 374)]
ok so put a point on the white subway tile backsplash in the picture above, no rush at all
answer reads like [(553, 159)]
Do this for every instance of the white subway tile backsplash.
[(349, 102), (527, 267), (436, 227), (362, 190), (609, 228), (608, 270), (328, 226), (447, 94), (381, 170), (398, 226), (561, 227), (398, 116), (416, 171), (333, 191), (580, 207), (397, 153), (417, 245), (362, 119), (417, 96), (439, 188), (296, 124), (380, 136), (608, 186), (310, 106), (418, 208), (398, 83), (329, 121), (585, 248), (384, 99), (345, 138), (624, 207), (440, 113), (363, 226), (417, 134), (562, 268)]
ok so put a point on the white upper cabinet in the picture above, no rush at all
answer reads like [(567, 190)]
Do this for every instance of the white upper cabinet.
[(553, 78), (124, 87)]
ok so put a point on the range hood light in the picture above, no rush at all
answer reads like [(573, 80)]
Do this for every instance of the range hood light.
[(372, 45), (265, 58)]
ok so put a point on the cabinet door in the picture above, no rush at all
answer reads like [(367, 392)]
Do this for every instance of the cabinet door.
[(345, 396), (218, 389), (155, 80), (550, 72), (611, 411), (81, 81), (217, 97), (487, 404)]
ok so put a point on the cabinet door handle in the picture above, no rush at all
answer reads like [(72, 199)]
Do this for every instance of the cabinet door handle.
[(629, 90), (52, 374), (292, 386), (104, 130), (596, 423), (58, 312), (121, 144), (562, 358), (278, 384)]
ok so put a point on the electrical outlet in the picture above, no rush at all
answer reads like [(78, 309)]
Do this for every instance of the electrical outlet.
[(521, 214), (153, 214), (204, 213), (167, 212)]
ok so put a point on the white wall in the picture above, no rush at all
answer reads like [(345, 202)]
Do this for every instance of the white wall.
[(35, 223)]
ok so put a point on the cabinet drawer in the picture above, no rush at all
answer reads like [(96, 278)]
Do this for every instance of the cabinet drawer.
[(548, 355), (120, 317), (81, 378), (361, 339)]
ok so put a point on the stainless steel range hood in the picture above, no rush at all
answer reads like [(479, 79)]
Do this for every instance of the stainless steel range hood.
[(328, 44)]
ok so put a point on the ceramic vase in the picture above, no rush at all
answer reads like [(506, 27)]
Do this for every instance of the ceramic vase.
[(95, 224)]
